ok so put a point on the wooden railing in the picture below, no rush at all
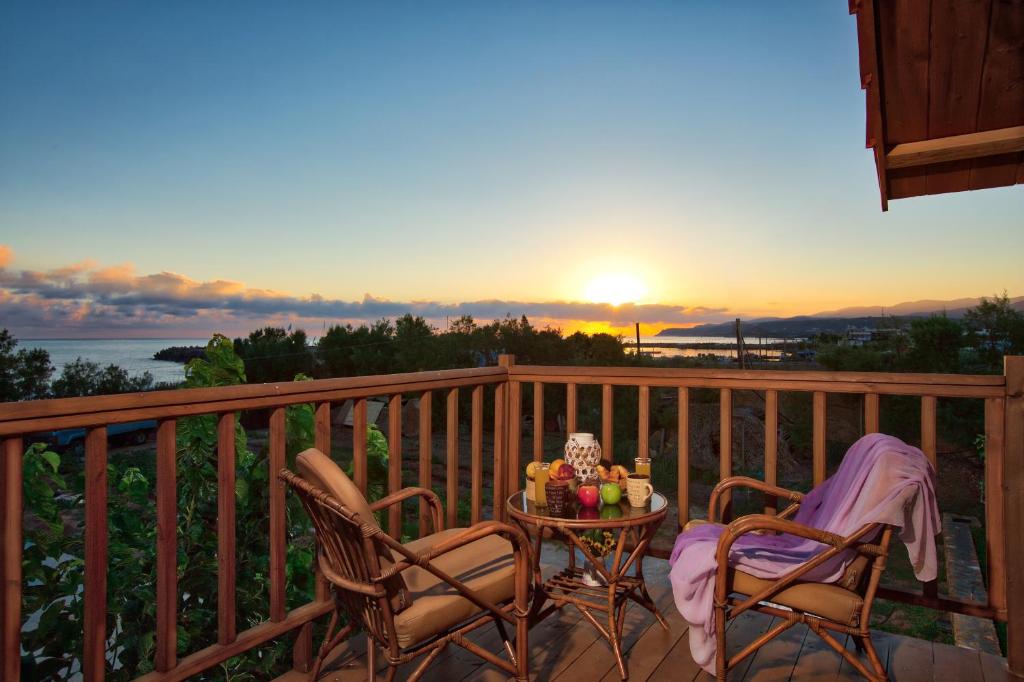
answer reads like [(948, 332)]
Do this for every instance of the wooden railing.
[(1003, 398), (96, 414), (993, 390)]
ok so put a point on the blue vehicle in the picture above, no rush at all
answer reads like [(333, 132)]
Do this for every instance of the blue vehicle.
[(73, 440)]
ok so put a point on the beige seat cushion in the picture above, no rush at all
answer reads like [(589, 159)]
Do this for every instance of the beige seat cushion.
[(321, 471), (829, 601), (485, 566)]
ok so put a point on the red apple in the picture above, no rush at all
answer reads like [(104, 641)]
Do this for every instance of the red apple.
[(588, 495), (565, 472)]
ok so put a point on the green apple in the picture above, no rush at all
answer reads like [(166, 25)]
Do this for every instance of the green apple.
[(611, 493)]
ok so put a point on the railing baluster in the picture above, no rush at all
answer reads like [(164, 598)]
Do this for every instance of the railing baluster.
[(870, 413), (395, 462), (166, 546), (226, 528), (322, 441), (452, 436), (725, 448), (607, 422), (995, 417), (359, 444), (426, 456), (928, 405), (683, 456), (771, 447), (515, 435), (570, 409), (928, 410), (322, 428), (278, 539), (13, 543), (94, 643), (476, 446), (820, 434), (643, 448), (538, 421), (500, 443)]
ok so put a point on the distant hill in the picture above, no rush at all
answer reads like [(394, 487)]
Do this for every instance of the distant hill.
[(834, 321)]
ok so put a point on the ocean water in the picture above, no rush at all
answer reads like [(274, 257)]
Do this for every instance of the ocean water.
[(133, 355)]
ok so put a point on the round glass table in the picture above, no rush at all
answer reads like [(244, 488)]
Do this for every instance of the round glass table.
[(619, 532)]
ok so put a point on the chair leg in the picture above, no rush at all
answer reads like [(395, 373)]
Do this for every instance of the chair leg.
[(522, 649), (876, 662), (371, 660), (720, 650)]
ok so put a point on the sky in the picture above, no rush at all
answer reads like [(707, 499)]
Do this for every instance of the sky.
[(182, 168)]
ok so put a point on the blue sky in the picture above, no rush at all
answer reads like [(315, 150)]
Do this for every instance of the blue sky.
[(710, 155)]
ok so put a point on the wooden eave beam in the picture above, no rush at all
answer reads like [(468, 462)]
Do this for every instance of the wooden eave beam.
[(956, 148)]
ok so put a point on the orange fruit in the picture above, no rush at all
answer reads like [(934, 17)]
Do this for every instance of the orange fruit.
[(555, 467)]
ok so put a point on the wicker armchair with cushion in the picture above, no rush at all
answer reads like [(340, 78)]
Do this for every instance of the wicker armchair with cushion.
[(413, 599), (843, 607)]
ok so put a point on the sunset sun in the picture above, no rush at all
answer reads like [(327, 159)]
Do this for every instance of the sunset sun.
[(615, 288)]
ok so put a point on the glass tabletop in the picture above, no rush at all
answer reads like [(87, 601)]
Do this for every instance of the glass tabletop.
[(575, 514)]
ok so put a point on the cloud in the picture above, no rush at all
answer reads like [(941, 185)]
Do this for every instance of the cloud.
[(88, 298)]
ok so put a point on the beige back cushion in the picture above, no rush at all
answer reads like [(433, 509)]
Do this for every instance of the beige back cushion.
[(321, 471)]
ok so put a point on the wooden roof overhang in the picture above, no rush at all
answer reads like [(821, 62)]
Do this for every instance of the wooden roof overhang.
[(944, 83)]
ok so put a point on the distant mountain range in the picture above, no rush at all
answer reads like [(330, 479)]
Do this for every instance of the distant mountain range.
[(834, 320)]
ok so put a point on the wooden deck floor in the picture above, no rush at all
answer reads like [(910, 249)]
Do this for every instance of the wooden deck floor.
[(566, 648)]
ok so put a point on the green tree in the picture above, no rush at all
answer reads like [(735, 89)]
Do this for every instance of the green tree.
[(935, 345), (275, 354), (24, 373), (997, 329), (84, 377)]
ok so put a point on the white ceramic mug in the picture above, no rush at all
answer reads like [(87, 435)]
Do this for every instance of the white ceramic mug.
[(639, 489)]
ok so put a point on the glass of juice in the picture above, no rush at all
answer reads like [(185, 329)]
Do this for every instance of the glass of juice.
[(643, 466), (540, 477)]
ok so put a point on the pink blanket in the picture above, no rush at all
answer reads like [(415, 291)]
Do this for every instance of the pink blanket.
[(881, 480)]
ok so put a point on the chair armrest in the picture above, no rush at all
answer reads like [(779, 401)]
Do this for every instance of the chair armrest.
[(747, 482), (762, 522), (433, 502)]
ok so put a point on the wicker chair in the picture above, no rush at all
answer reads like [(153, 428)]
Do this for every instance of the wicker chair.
[(843, 606), (413, 599)]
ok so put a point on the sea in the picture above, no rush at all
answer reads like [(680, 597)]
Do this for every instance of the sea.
[(753, 345), (133, 355)]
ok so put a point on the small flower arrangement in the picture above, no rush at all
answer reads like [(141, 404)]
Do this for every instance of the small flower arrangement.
[(600, 543)]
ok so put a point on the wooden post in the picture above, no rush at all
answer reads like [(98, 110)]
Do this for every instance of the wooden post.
[(166, 546), (13, 454), (278, 534), (740, 359), (725, 450), (643, 446), (995, 418), (870, 413), (820, 436), (607, 422), (395, 462), (638, 339), (771, 447), (94, 620), (226, 528), (683, 456), (538, 421), (426, 456), (451, 413), (1013, 511), (570, 409), (503, 436), (476, 454)]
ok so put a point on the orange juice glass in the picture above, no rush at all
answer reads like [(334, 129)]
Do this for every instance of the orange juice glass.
[(643, 466), (540, 477)]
